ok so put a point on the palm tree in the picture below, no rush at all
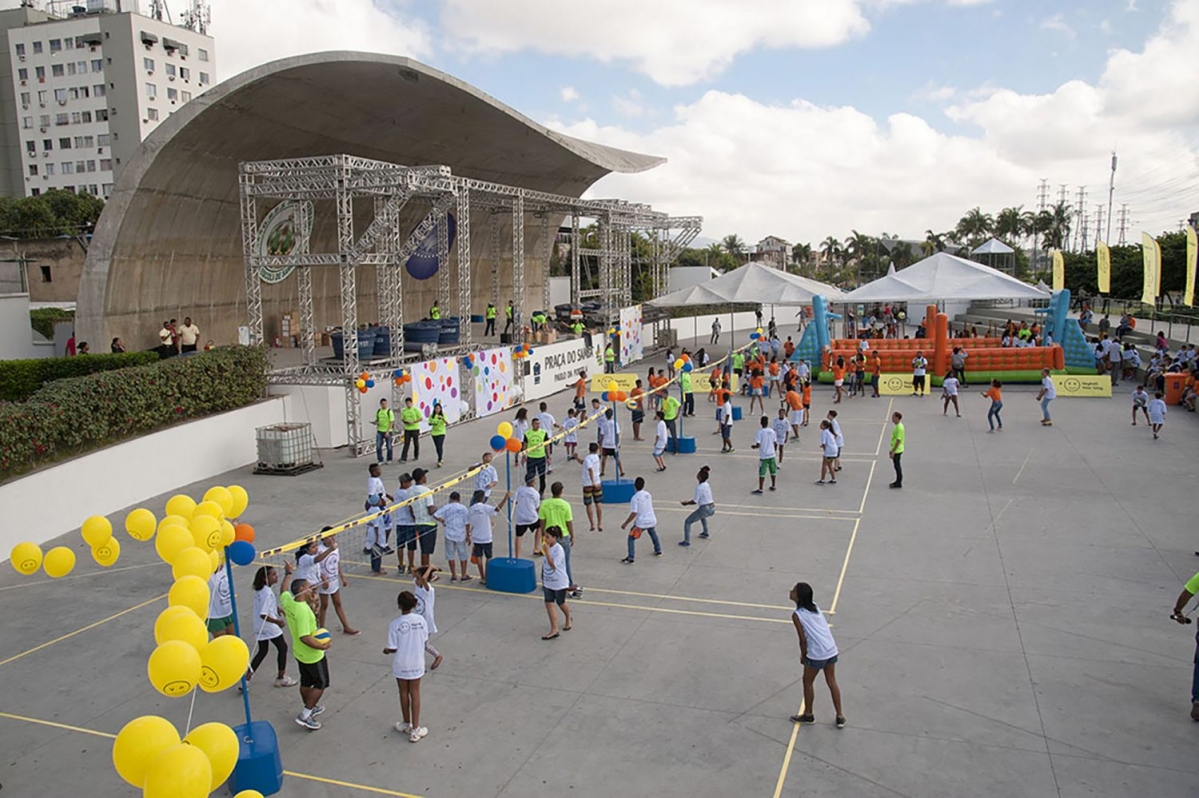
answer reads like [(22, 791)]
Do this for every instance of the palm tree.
[(733, 245), (1011, 224), (1054, 225), (801, 256), (974, 226), (933, 242), (831, 249)]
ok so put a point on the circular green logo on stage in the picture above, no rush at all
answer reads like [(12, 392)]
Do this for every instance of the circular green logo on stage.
[(280, 234)]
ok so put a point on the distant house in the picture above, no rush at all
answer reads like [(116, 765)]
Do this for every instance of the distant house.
[(773, 251)]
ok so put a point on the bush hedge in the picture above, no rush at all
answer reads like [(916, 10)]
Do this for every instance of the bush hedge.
[(20, 379), (42, 319), (71, 416)]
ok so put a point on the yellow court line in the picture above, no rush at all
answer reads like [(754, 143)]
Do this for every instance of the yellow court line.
[(766, 514), (883, 432), (81, 631), (292, 773), (832, 610), (41, 582), (866, 493), (778, 787)]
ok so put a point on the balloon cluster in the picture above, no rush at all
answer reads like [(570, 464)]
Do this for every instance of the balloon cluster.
[(364, 382), (683, 363), (521, 351), (468, 361), (756, 334), (613, 394), (149, 754), (400, 376), (502, 439)]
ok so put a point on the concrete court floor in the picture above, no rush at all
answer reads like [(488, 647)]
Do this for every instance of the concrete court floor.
[(1002, 622)]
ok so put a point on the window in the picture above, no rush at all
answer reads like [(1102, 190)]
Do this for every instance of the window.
[(97, 65), (50, 169), (37, 47), (68, 168), (101, 114), (203, 55), (187, 95), (151, 91), (25, 99), (107, 190), (64, 143), (102, 140), (172, 94), (148, 63), (106, 164), (23, 74), (56, 45), (41, 97), (203, 78), (47, 144), (27, 122), (60, 95), (33, 170), (185, 73), (68, 43), (35, 191), (41, 73), (83, 92), (56, 70), (20, 49), (152, 114), (85, 142), (46, 278), (91, 166), (170, 68), (61, 119), (99, 90), (76, 118), (82, 67), (80, 166), (31, 147), (69, 188), (44, 120), (86, 117), (71, 68)]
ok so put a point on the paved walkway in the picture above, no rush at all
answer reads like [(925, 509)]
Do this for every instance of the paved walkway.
[(1003, 624)]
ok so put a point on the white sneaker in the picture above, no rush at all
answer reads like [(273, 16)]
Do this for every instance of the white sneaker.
[(416, 734), (309, 723), (285, 681), (403, 727)]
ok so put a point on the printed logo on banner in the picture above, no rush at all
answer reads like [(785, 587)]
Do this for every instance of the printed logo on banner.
[(279, 234)]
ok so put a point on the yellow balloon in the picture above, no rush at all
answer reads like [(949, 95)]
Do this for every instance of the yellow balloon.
[(170, 541), (174, 668), (191, 592), (241, 500), (137, 745), (209, 508), (221, 496), (180, 623), (59, 562), (182, 771), (214, 560), (228, 533), (249, 794), (219, 743), (140, 524), (181, 505), (26, 558), (612, 386), (96, 530), (174, 520), (106, 554), (207, 531), (224, 660), (504, 429), (192, 561)]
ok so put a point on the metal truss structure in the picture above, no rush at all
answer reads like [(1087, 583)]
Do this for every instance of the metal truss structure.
[(342, 184)]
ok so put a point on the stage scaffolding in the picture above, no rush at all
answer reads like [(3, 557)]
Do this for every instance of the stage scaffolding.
[(343, 184)]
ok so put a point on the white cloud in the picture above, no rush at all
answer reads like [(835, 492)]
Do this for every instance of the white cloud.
[(676, 42), (569, 94), (252, 32), (1058, 23), (805, 171), (630, 105), (1105, 26)]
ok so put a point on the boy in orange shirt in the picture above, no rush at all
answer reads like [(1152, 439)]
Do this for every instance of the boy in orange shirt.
[(807, 401), (838, 378), (795, 407), (876, 368)]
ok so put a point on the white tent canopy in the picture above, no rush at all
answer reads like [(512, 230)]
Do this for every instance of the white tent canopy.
[(944, 277), (993, 247), (753, 283)]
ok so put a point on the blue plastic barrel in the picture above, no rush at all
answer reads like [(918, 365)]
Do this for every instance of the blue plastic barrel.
[(366, 343), (339, 346), (382, 342), (449, 331), (419, 333)]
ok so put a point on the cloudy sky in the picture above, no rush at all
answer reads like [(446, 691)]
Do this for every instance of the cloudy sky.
[(805, 118)]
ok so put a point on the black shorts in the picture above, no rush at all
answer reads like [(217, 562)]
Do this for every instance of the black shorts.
[(314, 674), (918, 381), (609, 452), (554, 596), (406, 536), (482, 550), (638, 416), (521, 529), (427, 535)]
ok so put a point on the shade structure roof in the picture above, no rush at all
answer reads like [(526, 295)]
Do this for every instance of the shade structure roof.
[(993, 247), (944, 277), (753, 283)]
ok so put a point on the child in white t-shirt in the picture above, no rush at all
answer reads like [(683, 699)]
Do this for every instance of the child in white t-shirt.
[(1140, 401), (949, 393), (422, 587), (332, 581), (1157, 413), (378, 529), (406, 638), (479, 529), (571, 439), (782, 432), (268, 626)]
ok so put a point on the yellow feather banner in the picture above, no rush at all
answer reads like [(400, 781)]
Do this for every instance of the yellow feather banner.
[(1059, 270), (1152, 255), (1192, 262), (1105, 267)]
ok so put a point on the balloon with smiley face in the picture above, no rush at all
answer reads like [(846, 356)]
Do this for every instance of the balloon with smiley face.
[(207, 532), (26, 558), (223, 661), (174, 668), (107, 553)]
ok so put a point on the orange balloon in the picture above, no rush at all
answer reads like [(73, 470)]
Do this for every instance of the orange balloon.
[(513, 445), (243, 532)]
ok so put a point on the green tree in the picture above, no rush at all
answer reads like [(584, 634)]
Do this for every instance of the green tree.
[(53, 213), (1054, 225), (974, 227), (733, 245)]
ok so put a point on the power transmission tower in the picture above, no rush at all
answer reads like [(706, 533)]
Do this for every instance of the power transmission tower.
[(1042, 201), (1083, 223), (1099, 231), (1111, 190), (1122, 227), (1079, 215), (1061, 193)]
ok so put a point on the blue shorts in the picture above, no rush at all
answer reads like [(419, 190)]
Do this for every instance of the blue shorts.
[(819, 664), (406, 536)]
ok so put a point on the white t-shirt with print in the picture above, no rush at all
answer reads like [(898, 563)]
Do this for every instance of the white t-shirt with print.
[(591, 469), (455, 516), (527, 501), (265, 603), (766, 440), (220, 603), (950, 386), (555, 578), (643, 505), (480, 522), (407, 634)]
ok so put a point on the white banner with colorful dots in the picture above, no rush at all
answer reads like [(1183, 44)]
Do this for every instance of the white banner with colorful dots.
[(492, 372), (631, 348), (438, 382)]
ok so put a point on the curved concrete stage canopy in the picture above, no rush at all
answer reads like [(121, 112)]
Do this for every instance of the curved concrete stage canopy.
[(168, 243)]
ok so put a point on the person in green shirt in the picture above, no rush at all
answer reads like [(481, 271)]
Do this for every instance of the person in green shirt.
[(609, 359), (670, 411), (739, 364), (385, 419), (1188, 592), (435, 311), (511, 319), (556, 511), (577, 327), (688, 395), (410, 417), (897, 439), (535, 453), (489, 315), (538, 318), (437, 430), (297, 602)]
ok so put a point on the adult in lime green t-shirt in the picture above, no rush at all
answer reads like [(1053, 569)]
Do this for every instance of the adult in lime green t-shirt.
[(556, 511), (489, 316), (435, 311), (535, 461), (898, 434), (688, 395), (410, 417), (385, 419), (299, 610), (609, 360), (1188, 592), (437, 430), (670, 411)]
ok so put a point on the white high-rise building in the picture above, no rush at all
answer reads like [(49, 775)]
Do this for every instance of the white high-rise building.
[(83, 89)]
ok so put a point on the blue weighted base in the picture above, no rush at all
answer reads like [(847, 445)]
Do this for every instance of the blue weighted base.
[(685, 444), (736, 413), (510, 575), (259, 766), (618, 491)]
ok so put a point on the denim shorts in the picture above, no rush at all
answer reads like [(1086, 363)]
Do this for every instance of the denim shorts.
[(819, 664), (406, 536), (456, 550)]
